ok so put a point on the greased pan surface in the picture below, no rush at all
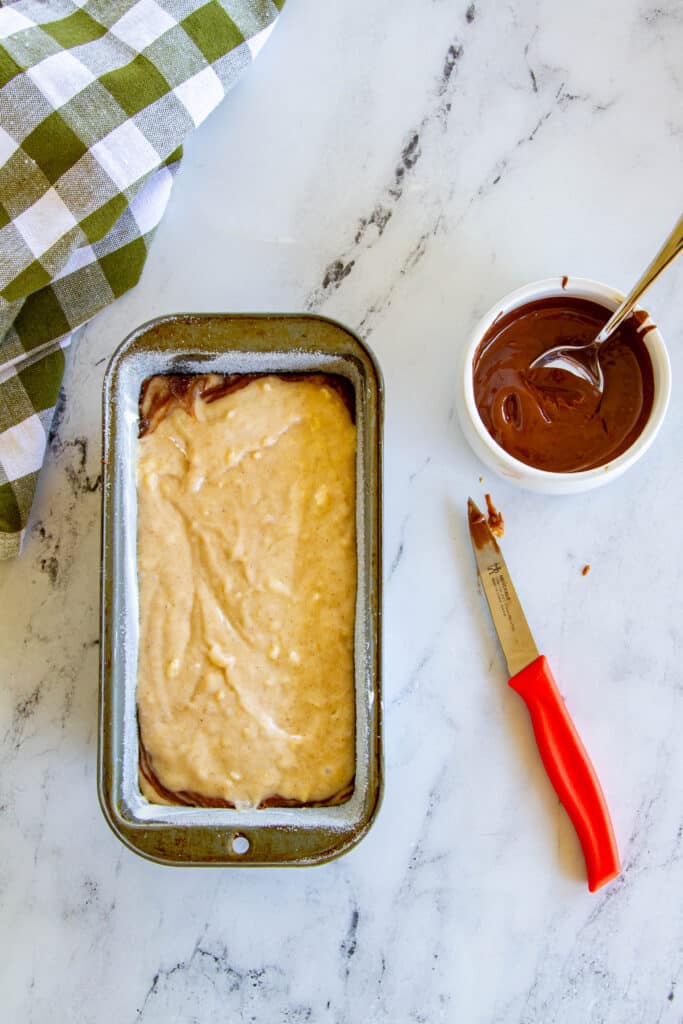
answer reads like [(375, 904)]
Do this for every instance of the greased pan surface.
[(229, 344)]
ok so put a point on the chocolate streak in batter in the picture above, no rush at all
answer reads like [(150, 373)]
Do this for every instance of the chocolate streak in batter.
[(548, 417), (163, 393), (187, 798), (159, 396)]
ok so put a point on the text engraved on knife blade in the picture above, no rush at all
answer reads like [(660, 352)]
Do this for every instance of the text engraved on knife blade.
[(508, 618), (500, 589)]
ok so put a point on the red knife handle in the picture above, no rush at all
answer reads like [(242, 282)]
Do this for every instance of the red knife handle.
[(570, 770)]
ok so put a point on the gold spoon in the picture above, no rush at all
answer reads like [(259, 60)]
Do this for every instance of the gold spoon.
[(583, 360)]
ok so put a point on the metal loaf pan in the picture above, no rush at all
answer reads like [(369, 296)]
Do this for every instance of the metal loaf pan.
[(225, 343)]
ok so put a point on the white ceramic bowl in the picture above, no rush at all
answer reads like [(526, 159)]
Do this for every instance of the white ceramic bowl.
[(505, 465)]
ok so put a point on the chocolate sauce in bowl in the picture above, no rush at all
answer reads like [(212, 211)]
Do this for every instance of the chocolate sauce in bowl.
[(548, 417)]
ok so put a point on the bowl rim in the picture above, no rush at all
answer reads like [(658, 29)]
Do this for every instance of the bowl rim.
[(579, 287)]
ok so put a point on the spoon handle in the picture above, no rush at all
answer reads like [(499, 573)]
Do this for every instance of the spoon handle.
[(671, 248)]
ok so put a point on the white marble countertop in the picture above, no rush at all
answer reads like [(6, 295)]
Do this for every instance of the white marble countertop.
[(399, 166)]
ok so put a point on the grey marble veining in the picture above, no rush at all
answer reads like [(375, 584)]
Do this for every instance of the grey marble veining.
[(398, 166)]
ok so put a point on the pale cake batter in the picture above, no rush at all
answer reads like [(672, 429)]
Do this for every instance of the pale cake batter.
[(247, 575)]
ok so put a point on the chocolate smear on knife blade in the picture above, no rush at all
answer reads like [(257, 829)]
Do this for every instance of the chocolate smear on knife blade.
[(494, 518), (479, 529)]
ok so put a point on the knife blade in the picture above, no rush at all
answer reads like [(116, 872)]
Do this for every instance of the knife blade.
[(564, 756)]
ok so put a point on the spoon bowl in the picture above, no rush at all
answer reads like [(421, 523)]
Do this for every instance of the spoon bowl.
[(581, 360)]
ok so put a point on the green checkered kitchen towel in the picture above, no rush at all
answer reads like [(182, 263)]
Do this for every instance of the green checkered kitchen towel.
[(96, 97)]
